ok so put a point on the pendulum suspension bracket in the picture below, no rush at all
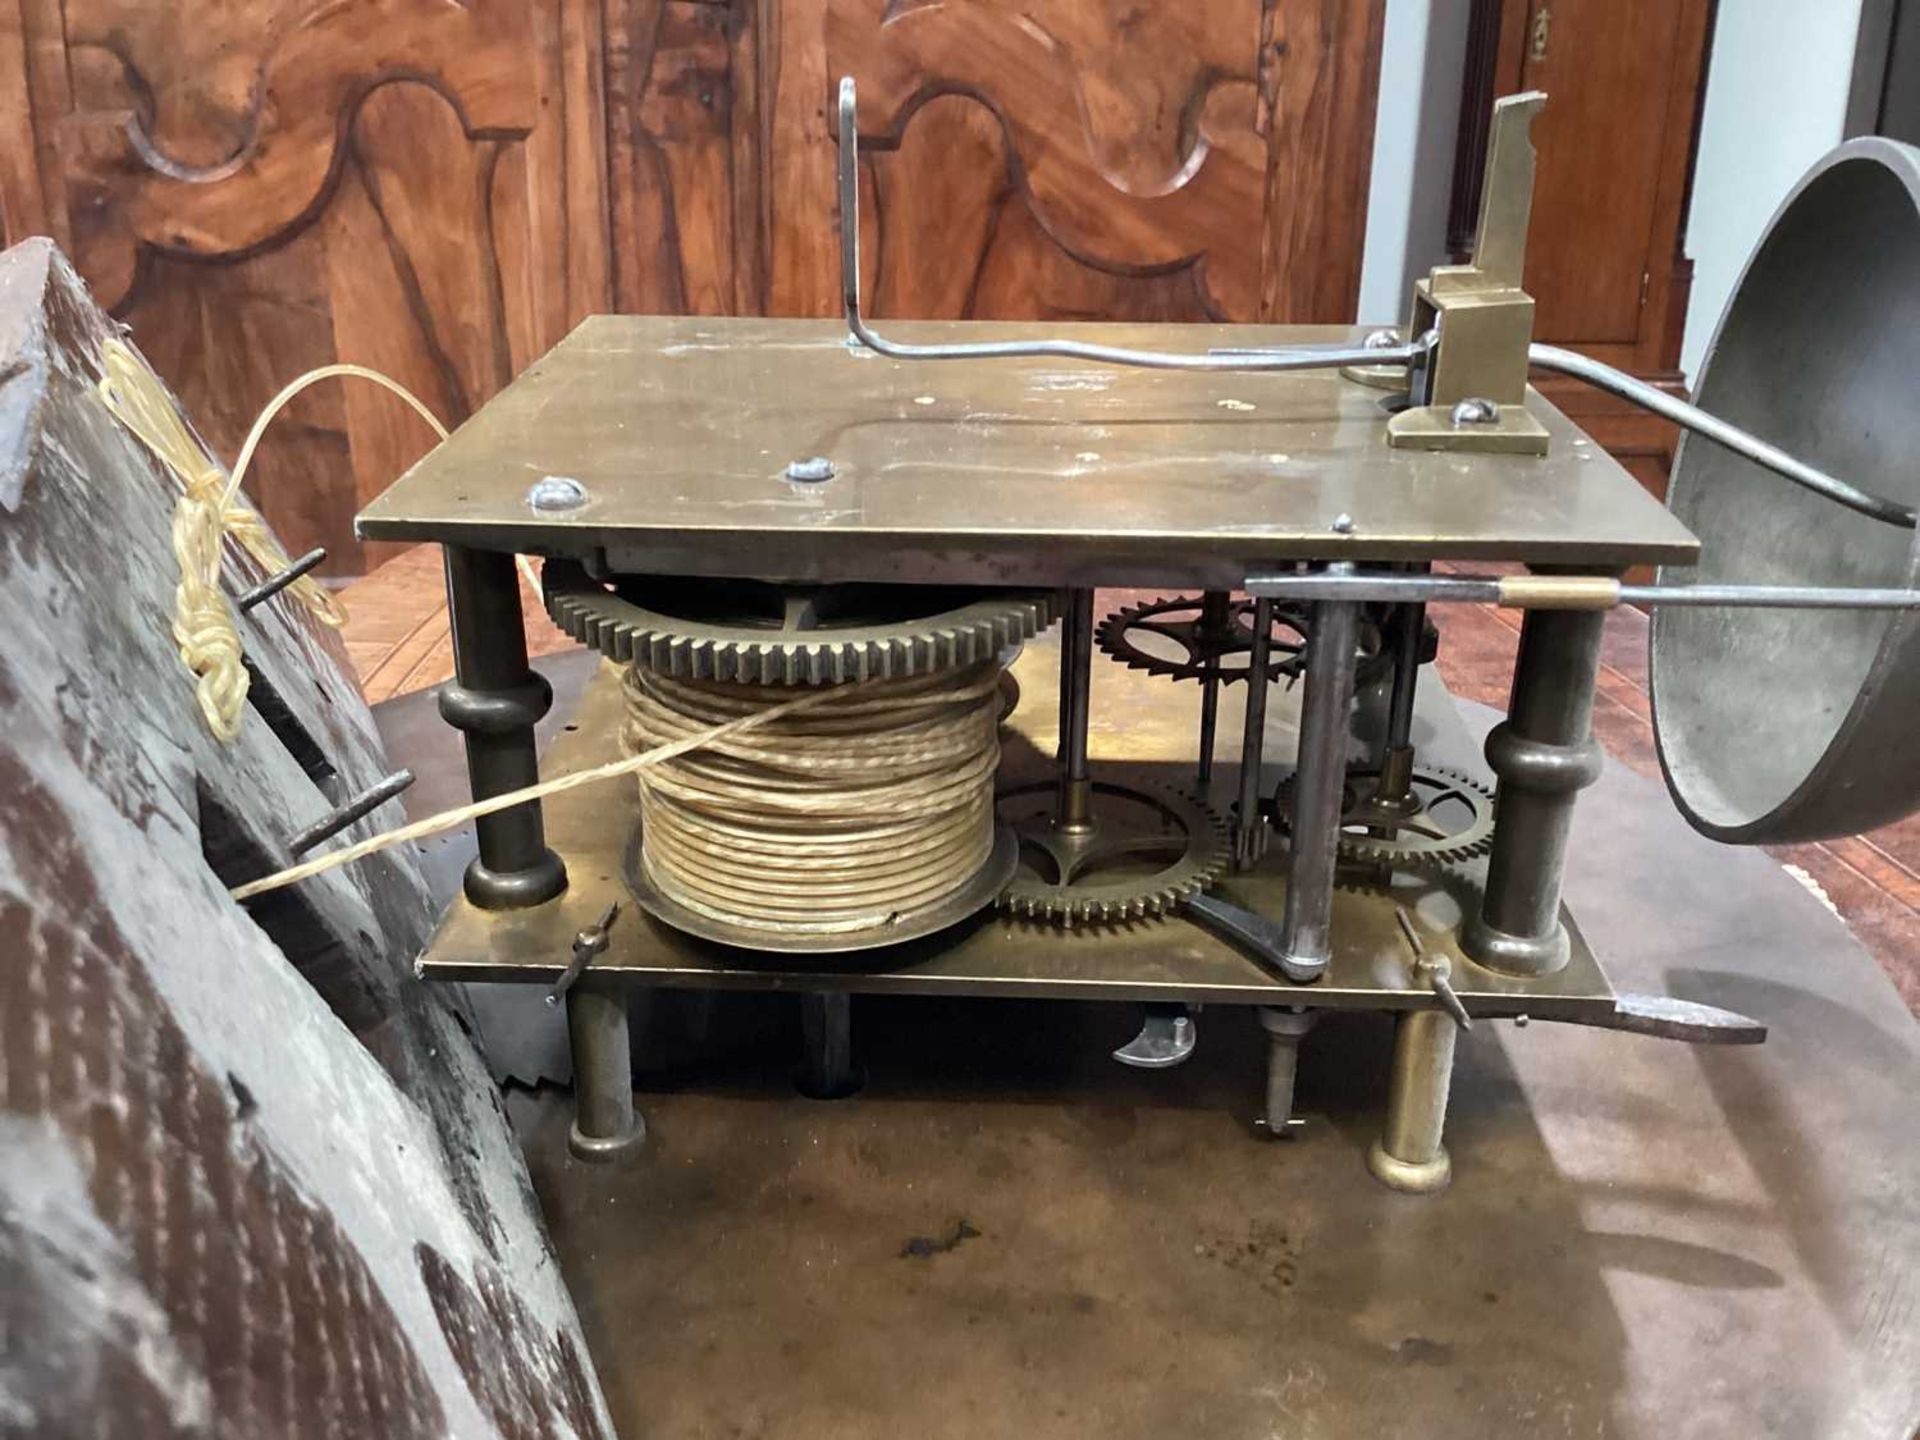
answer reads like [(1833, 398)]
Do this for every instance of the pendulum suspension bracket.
[(1470, 391)]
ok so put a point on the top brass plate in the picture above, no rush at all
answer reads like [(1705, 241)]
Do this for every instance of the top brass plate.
[(1029, 472)]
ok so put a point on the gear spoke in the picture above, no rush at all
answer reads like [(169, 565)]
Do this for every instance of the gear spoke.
[(1413, 838), (1221, 650), (1132, 822)]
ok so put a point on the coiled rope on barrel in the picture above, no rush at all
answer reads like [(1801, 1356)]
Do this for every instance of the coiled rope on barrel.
[(849, 815)]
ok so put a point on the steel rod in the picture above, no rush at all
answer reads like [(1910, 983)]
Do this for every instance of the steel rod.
[(1285, 1030), (357, 808), (1280, 358), (1253, 737), (1074, 809), (274, 584), (1410, 625), (1215, 618), (1721, 432), (1318, 786), (1526, 592)]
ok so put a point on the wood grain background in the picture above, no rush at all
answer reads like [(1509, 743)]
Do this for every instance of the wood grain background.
[(442, 191)]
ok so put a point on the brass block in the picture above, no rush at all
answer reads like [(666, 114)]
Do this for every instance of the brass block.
[(1431, 427)]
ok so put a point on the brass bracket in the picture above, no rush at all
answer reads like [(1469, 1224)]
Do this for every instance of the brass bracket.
[(1474, 391)]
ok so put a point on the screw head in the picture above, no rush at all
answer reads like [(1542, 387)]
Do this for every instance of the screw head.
[(1475, 411), (556, 493), (811, 471), (1343, 524), (1381, 340)]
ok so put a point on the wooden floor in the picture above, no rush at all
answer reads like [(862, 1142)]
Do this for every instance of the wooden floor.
[(398, 636)]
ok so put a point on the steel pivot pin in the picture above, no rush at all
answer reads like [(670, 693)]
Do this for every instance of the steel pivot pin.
[(810, 471), (556, 493)]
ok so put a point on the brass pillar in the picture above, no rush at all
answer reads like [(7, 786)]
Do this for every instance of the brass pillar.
[(496, 698), (1409, 1154), (1545, 754), (605, 1123)]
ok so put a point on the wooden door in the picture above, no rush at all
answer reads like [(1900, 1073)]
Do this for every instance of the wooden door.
[(261, 187), (1609, 72), (1080, 159), (1624, 81), (442, 190), (1605, 259)]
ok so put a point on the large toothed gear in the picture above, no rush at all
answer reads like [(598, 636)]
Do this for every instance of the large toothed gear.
[(1148, 849), (1447, 819), (1176, 638), (760, 634)]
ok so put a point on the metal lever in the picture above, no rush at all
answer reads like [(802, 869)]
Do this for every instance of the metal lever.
[(1499, 253), (1666, 1018), (1741, 442), (1298, 357), (586, 945), (1254, 932), (1564, 592), (1166, 1039), (1436, 970)]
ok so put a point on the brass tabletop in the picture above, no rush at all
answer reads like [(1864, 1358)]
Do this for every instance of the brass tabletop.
[(1005, 471)]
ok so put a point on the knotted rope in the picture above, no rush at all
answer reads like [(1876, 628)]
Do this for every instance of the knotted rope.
[(208, 511)]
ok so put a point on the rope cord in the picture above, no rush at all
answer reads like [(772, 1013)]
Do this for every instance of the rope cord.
[(873, 805), (858, 804), (207, 512), (612, 770)]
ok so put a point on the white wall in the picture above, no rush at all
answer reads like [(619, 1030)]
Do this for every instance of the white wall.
[(1777, 89), (1421, 60), (1777, 86)]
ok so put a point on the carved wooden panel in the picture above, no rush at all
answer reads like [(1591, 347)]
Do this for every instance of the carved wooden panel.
[(442, 190), (683, 147), (261, 187), (1083, 159)]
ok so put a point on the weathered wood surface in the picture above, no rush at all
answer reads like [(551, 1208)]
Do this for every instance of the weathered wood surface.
[(442, 191), (253, 1177)]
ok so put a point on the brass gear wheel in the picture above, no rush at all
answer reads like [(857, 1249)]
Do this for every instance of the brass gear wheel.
[(759, 634), (1183, 640), (1147, 850), (1430, 831)]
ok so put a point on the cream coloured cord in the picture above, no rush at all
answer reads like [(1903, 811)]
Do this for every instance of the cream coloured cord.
[(449, 819), (209, 510), (873, 806)]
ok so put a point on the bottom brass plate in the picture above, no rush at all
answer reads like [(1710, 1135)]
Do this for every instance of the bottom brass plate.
[(1143, 729)]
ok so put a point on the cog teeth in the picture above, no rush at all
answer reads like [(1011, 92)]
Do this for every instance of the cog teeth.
[(701, 650)]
